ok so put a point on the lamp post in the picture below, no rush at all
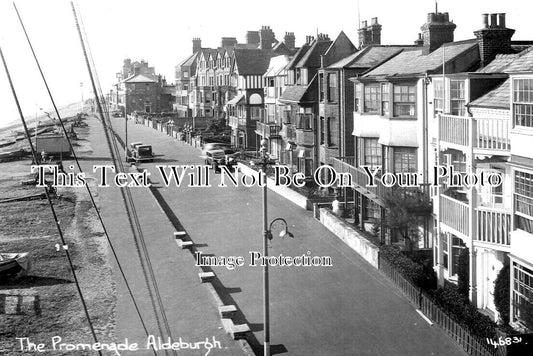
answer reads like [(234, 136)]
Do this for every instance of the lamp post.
[(267, 235), (126, 122)]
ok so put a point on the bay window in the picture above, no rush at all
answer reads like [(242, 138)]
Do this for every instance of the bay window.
[(522, 294), (371, 152), (523, 201), (372, 98), (404, 100), (523, 102), (457, 97), (385, 98), (438, 99), (405, 159)]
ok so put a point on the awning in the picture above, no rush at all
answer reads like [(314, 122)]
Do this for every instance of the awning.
[(239, 99)]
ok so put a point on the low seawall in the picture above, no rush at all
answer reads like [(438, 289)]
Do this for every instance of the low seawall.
[(350, 236)]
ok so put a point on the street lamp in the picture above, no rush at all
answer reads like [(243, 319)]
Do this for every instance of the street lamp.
[(265, 160)]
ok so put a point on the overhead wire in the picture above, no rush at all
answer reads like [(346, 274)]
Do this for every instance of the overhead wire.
[(56, 220), (127, 196), (93, 202)]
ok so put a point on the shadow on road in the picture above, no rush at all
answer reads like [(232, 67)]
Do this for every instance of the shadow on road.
[(223, 292)]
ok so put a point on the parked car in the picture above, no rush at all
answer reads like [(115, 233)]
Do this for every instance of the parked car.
[(216, 158), (216, 146), (140, 152)]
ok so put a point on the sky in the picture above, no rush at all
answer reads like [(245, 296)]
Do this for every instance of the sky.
[(161, 32)]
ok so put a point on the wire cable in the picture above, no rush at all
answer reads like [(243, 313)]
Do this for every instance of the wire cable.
[(62, 238), (93, 202)]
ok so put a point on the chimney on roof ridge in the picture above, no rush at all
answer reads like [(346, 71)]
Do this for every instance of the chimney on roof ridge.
[(437, 30), (494, 38), (266, 37), (289, 40), (369, 34), (196, 44), (228, 42), (252, 37)]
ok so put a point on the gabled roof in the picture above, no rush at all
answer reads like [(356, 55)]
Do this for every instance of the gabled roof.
[(276, 65), (369, 56), (301, 93), (340, 48), (298, 55), (140, 78), (251, 61), (498, 98), (238, 99), (311, 58), (190, 60), (415, 62)]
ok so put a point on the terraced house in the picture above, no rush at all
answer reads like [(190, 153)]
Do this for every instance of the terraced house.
[(185, 72), (487, 135), (391, 119)]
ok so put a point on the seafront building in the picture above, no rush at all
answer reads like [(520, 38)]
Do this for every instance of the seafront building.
[(398, 108), (139, 89)]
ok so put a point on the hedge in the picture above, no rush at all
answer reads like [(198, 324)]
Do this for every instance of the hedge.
[(410, 269), (460, 309)]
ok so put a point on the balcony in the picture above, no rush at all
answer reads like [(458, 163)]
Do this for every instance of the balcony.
[(493, 225), (360, 178), (416, 199), (489, 136), (268, 130), (454, 213)]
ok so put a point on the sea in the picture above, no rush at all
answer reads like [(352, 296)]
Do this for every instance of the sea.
[(9, 130)]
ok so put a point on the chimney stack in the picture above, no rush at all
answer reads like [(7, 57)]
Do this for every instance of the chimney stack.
[(266, 37), (437, 30), (420, 41), (252, 37), (228, 42), (369, 34), (493, 38), (289, 40), (196, 44)]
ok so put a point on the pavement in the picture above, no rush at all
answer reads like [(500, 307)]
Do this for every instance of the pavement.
[(349, 308), (189, 307)]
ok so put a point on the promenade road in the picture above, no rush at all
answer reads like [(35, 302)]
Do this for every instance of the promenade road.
[(346, 309), (190, 308)]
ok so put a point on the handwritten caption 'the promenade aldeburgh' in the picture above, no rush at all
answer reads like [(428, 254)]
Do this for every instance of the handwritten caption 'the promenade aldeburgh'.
[(152, 343), (197, 176)]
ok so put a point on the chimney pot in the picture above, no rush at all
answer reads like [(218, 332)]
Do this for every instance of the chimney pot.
[(485, 20), (493, 20), (501, 20), (363, 24), (374, 20)]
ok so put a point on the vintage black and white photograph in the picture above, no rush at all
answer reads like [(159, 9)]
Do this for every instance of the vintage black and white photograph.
[(307, 178)]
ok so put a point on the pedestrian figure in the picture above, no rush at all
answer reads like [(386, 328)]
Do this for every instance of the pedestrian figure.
[(44, 156)]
